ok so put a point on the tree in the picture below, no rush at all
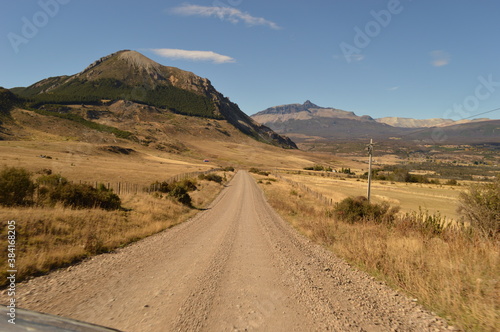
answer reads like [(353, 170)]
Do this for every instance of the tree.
[(16, 187), (480, 206)]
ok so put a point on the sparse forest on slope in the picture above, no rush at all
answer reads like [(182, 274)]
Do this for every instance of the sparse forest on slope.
[(129, 75)]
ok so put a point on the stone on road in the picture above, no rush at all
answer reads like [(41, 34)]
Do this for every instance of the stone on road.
[(236, 266)]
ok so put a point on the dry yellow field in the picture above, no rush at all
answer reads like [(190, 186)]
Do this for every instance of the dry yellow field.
[(454, 274), (409, 196), (80, 161)]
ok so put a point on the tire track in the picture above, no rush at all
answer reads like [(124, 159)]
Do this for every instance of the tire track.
[(235, 267), (195, 310)]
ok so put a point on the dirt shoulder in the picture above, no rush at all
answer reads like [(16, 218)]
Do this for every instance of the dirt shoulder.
[(236, 266)]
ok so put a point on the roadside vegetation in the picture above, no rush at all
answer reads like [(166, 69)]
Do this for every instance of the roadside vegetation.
[(59, 223), (452, 269)]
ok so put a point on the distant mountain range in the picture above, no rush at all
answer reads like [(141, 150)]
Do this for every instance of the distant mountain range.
[(310, 122), (130, 76)]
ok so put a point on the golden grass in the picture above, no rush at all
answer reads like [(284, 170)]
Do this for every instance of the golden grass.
[(49, 238), (409, 196), (80, 161), (456, 275)]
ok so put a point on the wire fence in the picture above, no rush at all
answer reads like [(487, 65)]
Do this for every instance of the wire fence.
[(333, 174), (303, 187), (120, 188)]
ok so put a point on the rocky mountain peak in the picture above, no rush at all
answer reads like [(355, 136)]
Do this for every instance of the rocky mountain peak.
[(308, 104), (138, 60), (129, 75)]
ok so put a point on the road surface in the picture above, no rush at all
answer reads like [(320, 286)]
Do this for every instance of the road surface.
[(236, 266)]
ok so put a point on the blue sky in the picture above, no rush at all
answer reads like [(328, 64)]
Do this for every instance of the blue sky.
[(420, 58)]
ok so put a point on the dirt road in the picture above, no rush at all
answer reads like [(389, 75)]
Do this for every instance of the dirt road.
[(234, 267)]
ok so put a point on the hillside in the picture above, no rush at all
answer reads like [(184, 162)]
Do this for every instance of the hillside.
[(414, 123), (7, 101), (129, 75), (424, 123), (309, 122)]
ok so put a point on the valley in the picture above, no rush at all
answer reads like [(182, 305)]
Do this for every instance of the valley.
[(208, 202)]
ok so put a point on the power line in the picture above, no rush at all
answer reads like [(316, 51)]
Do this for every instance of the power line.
[(470, 117), (370, 154)]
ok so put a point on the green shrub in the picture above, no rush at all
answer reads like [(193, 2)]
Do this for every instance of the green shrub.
[(80, 196), (16, 187), (51, 180), (213, 177), (188, 184), (357, 209), (180, 193), (319, 168), (166, 187), (480, 206), (228, 169), (451, 182), (427, 224), (163, 187), (178, 190)]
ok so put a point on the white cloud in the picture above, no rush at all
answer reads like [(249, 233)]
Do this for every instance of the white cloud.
[(232, 15), (192, 55), (356, 57), (394, 88), (440, 58)]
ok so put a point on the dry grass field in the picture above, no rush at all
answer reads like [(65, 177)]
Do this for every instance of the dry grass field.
[(409, 196), (79, 161), (454, 274), (49, 238)]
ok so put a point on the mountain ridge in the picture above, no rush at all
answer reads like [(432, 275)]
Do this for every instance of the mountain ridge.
[(310, 122), (313, 109), (129, 75)]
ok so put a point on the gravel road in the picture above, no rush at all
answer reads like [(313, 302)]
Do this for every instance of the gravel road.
[(237, 266)]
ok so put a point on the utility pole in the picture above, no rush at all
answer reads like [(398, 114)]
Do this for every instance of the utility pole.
[(370, 153)]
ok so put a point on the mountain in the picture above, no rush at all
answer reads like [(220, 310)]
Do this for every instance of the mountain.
[(129, 75), (309, 122), (7, 101), (306, 111), (424, 123), (414, 123)]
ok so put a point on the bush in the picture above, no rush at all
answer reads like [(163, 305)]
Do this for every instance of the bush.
[(319, 168), (211, 177), (180, 193), (480, 206), (80, 196), (178, 190), (51, 180), (228, 169), (188, 184), (16, 187), (163, 187), (451, 182), (166, 187), (429, 225), (357, 209)]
